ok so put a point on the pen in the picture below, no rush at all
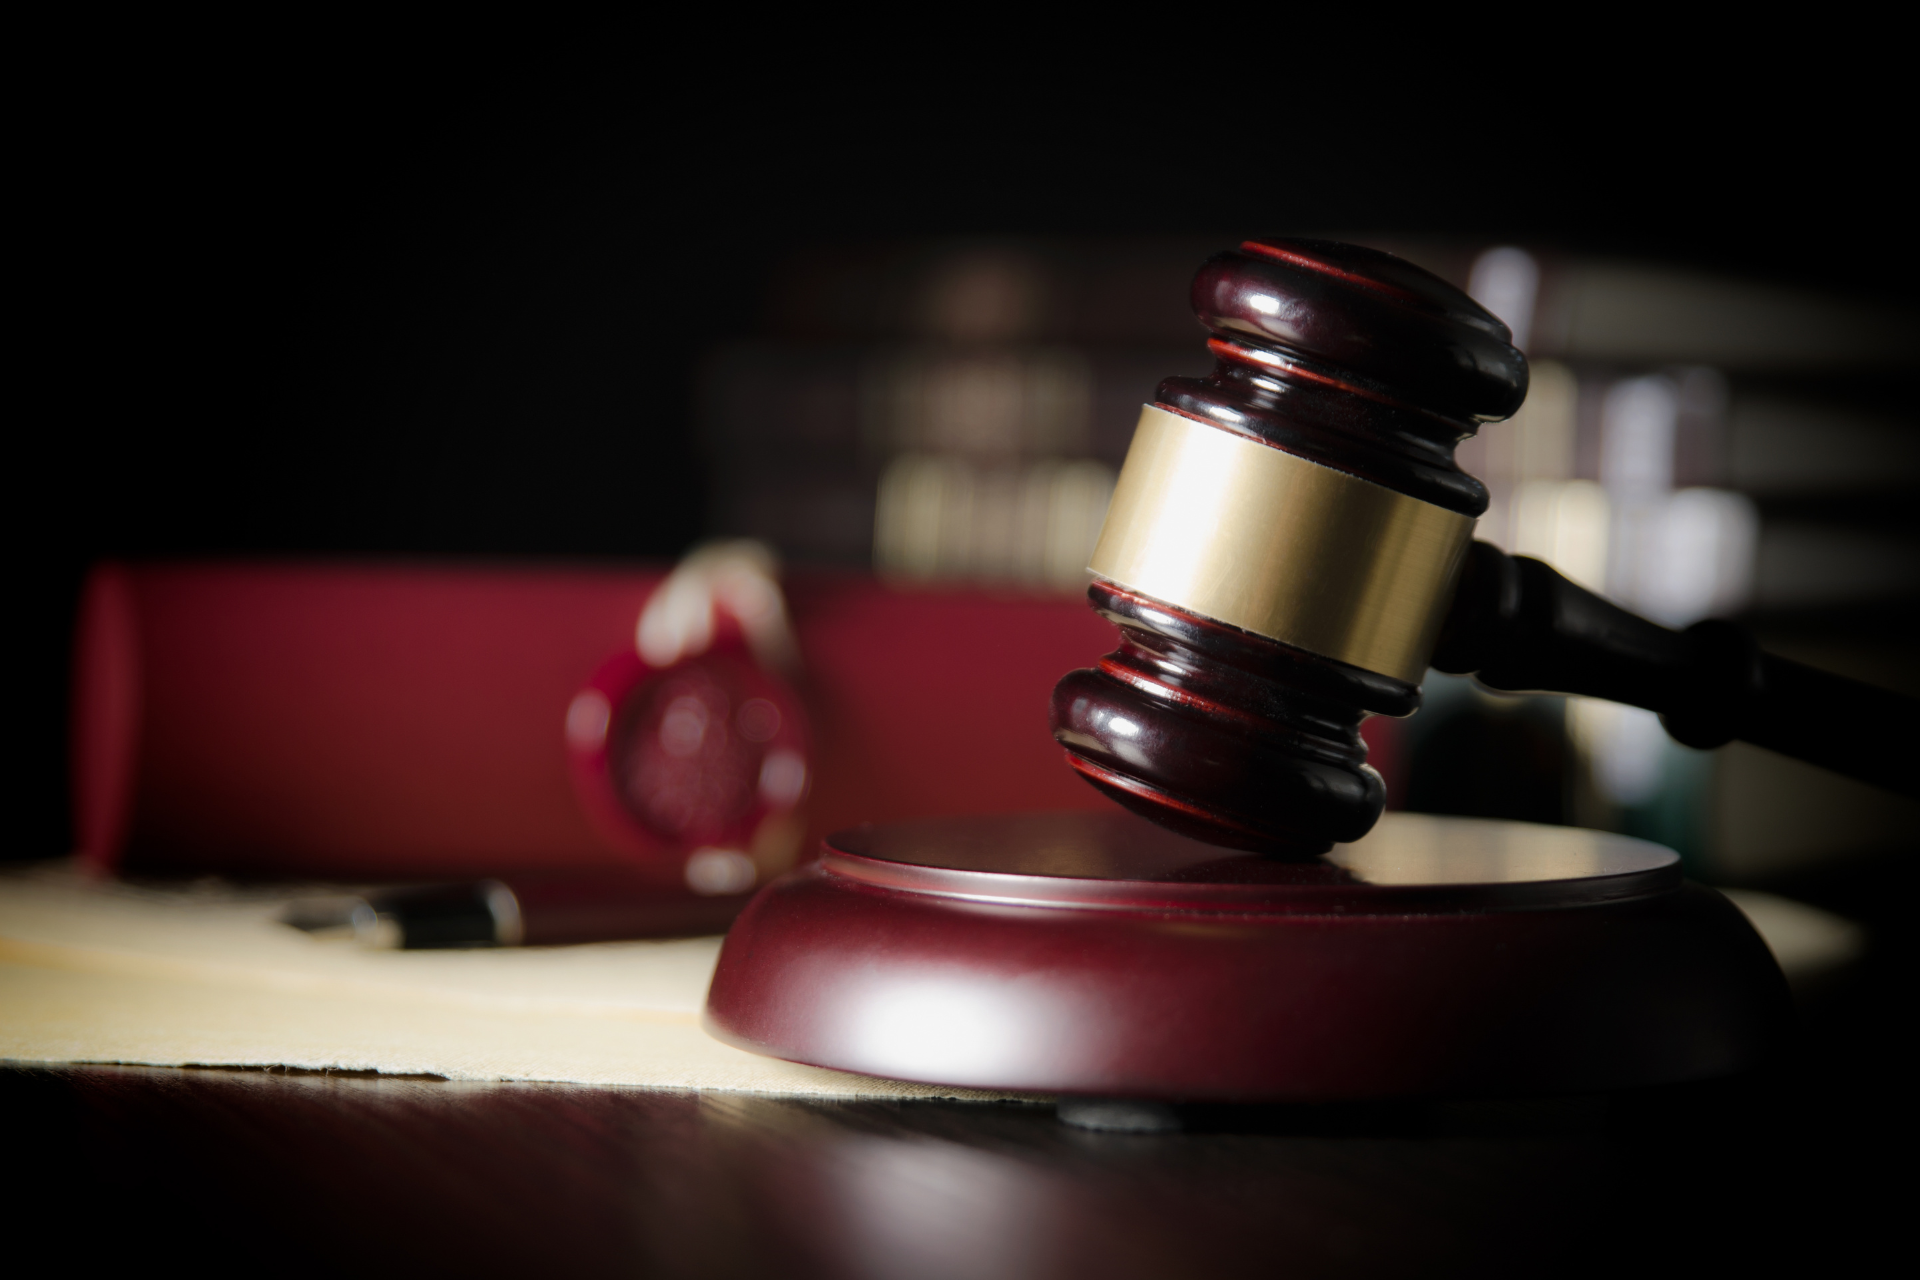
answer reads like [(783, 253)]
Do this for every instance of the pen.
[(530, 910)]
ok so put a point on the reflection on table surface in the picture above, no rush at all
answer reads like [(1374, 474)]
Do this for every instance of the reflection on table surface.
[(426, 1176), (1420, 848), (1401, 849)]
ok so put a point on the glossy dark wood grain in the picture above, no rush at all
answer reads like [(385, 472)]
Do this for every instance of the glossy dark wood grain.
[(1225, 735), (1517, 624), (1358, 361), (1367, 364), (1102, 955), (312, 1175), (1353, 358), (224, 1172)]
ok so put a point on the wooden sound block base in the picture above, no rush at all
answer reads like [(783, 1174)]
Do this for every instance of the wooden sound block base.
[(1097, 954)]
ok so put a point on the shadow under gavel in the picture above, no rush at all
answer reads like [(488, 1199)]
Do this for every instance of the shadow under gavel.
[(1289, 548)]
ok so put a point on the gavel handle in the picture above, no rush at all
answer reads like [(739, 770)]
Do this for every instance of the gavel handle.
[(1519, 626)]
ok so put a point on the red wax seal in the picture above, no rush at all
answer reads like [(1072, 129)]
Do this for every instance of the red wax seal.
[(697, 769)]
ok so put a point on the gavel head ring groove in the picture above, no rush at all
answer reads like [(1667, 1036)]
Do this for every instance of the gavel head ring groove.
[(1283, 545)]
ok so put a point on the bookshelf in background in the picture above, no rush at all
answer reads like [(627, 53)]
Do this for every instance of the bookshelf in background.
[(1694, 447), (954, 412), (946, 412)]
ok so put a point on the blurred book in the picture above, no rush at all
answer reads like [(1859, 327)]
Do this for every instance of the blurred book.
[(946, 412), (1694, 447), (430, 723)]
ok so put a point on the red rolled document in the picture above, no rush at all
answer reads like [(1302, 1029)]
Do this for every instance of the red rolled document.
[(354, 722)]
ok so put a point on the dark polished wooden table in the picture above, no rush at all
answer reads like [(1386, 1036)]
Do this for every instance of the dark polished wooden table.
[(350, 1175)]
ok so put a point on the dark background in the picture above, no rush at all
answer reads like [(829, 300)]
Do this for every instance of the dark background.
[(318, 293), (323, 292)]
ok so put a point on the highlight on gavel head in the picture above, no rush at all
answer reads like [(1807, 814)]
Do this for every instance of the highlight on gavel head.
[(697, 768), (1283, 544)]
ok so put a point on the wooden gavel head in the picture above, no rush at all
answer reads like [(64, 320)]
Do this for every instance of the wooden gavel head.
[(1284, 543)]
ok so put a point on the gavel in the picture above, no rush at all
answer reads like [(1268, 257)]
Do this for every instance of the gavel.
[(1290, 547)]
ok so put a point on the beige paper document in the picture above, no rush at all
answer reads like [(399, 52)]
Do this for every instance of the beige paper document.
[(95, 971)]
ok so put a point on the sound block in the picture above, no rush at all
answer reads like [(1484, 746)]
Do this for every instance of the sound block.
[(1099, 954)]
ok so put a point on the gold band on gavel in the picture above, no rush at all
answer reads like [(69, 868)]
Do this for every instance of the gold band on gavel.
[(1238, 531)]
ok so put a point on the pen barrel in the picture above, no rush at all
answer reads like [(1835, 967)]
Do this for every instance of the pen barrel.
[(565, 909), (539, 910)]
